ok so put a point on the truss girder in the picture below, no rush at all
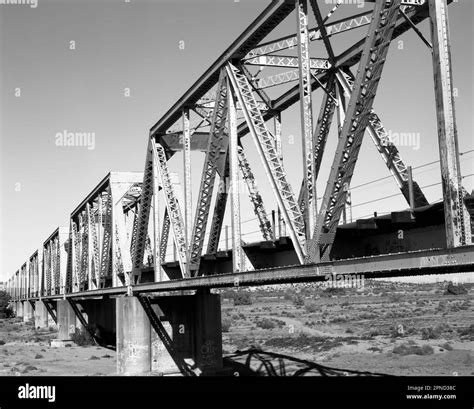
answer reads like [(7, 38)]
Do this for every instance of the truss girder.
[(217, 147), (357, 117), (265, 143), (290, 42)]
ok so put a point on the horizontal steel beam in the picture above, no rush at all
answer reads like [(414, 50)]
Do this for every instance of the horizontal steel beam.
[(439, 261)]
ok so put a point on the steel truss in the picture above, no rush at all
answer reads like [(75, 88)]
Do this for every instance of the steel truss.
[(122, 229)]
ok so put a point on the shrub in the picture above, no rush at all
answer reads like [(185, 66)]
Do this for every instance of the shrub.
[(242, 298), (330, 291), (2, 342), (226, 323), (406, 349), (310, 306), (265, 323), (5, 305), (469, 331), (435, 332), (452, 289), (82, 337), (298, 301)]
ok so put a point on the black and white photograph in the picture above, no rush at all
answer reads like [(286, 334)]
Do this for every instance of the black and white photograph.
[(236, 204)]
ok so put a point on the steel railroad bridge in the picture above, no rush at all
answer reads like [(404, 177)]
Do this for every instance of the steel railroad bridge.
[(109, 271)]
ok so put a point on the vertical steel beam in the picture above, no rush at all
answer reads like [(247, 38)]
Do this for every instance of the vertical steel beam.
[(310, 210), (234, 178), (456, 216), (188, 228)]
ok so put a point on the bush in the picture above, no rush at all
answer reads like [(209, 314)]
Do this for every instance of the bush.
[(452, 289), (82, 337), (298, 301), (435, 332), (5, 306), (242, 298), (330, 291), (265, 323), (406, 349), (226, 324), (310, 306)]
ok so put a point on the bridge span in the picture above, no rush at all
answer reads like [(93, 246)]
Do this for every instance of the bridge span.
[(111, 270)]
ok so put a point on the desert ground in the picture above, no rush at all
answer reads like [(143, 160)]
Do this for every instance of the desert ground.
[(382, 327)]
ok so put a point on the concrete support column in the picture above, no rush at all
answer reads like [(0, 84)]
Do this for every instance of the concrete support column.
[(208, 333), (28, 312), (41, 315), (66, 320), (133, 337), (19, 309)]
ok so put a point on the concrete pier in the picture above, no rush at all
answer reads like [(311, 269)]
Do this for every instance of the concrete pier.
[(28, 312), (19, 309), (195, 322), (133, 337), (66, 320), (41, 315)]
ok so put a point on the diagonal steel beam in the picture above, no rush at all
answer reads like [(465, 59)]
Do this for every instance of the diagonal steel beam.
[(217, 147), (357, 117), (265, 143), (386, 148)]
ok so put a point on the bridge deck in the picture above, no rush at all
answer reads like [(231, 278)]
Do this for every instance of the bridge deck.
[(435, 261)]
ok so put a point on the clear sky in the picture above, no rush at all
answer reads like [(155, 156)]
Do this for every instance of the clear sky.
[(48, 88)]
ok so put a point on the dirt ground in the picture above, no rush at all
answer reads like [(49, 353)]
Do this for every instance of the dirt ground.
[(398, 329), (26, 351)]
